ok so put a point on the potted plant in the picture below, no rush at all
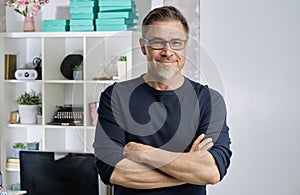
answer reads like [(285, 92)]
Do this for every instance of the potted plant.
[(78, 72), (28, 107), (39, 114), (17, 147), (122, 67)]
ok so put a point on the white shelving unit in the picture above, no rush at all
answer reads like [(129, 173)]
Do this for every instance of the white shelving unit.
[(99, 50)]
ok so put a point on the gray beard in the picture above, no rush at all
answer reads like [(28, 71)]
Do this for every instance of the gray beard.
[(164, 74)]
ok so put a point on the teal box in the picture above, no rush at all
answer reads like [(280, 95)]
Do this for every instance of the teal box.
[(83, 3), (78, 10), (55, 28), (56, 22), (117, 3), (82, 28), (113, 27), (82, 22), (114, 21), (71, 1), (115, 15), (116, 8), (84, 16)]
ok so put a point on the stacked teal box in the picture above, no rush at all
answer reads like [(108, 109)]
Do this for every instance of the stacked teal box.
[(83, 14), (115, 15), (55, 25)]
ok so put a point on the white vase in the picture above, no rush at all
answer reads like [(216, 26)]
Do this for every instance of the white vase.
[(28, 114), (16, 152), (78, 75), (122, 70)]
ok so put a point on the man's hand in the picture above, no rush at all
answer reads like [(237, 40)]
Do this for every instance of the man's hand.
[(136, 151), (202, 145)]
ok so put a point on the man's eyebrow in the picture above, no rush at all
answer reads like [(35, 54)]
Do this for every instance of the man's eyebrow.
[(178, 38)]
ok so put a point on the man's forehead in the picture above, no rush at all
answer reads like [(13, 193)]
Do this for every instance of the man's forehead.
[(165, 31)]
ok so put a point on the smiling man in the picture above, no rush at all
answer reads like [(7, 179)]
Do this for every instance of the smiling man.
[(162, 133)]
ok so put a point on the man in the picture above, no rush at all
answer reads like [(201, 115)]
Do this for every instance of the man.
[(162, 133)]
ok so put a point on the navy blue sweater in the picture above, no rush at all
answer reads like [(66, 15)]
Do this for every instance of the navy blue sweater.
[(170, 120)]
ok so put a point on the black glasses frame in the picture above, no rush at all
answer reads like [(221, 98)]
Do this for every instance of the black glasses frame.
[(164, 43)]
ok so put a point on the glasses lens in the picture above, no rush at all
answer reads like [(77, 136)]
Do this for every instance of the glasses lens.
[(157, 43), (177, 44)]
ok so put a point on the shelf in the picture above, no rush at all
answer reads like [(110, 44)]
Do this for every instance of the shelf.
[(66, 34), (100, 51)]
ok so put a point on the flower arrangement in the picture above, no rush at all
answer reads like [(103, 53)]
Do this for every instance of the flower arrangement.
[(26, 7)]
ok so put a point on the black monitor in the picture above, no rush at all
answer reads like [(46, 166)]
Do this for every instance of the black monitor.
[(43, 173)]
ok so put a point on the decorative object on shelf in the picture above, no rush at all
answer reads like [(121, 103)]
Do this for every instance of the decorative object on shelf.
[(28, 107), (29, 24), (37, 63), (17, 147), (122, 67), (78, 72), (14, 117), (33, 145), (27, 8), (26, 74), (10, 65), (68, 115), (69, 62), (39, 115)]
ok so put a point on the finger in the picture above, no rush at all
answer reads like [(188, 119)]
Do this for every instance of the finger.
[(204, 143), (206, 147), (197, 142)]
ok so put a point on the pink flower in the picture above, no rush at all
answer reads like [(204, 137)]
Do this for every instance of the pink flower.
[(26, 7), (35, 8)]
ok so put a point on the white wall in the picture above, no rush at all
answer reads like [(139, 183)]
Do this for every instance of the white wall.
[(255, 45)]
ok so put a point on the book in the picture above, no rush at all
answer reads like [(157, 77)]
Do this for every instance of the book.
[(10, 61), (13, 163), (13, 160)]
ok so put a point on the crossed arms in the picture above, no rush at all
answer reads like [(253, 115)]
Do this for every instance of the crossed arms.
[(146, 167)]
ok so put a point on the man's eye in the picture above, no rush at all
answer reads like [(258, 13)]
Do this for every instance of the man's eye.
[(177, 43), (157, 42)]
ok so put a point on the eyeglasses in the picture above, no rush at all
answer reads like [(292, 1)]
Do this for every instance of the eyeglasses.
[(159, 44)]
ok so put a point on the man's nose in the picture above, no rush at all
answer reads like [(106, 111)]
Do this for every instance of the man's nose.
[(167, 50)]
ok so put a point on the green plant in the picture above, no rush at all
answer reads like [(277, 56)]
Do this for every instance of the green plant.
[(19, 145), (78, 67), (40, 110), (28, 99), (122, 58)]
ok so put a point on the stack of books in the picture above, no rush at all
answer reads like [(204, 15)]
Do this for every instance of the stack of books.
[(116, 15), (83, 14), (55, 26), (13, 163)]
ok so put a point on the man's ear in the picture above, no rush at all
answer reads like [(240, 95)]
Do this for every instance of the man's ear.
[(142, 44)]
